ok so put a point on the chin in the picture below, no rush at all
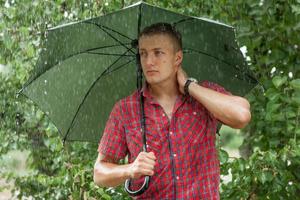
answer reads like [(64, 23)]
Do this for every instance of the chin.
[(150, 82)]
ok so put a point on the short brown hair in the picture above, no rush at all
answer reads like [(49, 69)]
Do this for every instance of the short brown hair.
[(163, 28)]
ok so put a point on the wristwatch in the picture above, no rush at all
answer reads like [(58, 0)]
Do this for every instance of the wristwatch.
[(186, 85)]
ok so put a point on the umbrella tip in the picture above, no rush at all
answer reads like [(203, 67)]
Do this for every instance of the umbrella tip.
[(19, 93), (134, 43)]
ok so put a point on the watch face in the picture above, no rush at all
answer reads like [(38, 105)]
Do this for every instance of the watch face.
[(193, 80)]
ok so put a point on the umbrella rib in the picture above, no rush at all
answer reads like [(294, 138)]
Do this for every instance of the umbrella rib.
[(75, 54), (103, 29), (110, 54), (109, 29), (183, 20), (119, 67), (103, 47), (109, 67), (188, 50), (88, 92)]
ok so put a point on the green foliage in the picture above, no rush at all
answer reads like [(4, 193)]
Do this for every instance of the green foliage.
[(269, 168)]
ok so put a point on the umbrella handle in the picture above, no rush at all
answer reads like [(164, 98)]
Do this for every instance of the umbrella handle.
[(139, 191)]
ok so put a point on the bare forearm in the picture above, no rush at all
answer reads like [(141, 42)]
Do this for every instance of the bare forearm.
[(231, 110), (110, 175)]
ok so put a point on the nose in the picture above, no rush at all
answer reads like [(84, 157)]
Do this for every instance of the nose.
[(149, 60)]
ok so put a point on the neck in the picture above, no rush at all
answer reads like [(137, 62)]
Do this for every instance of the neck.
[(166, 90)]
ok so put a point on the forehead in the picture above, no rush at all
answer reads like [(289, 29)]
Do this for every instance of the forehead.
[(148, 42)]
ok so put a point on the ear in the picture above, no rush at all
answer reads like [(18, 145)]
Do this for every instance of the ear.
[(178, 58)]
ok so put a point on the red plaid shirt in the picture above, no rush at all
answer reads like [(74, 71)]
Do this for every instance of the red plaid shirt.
[(187, 162)]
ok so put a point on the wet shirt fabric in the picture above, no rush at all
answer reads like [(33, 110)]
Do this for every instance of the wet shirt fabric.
[(187, 163)]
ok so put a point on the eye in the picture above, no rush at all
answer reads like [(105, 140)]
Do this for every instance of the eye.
[(158, 53), (142, 54)]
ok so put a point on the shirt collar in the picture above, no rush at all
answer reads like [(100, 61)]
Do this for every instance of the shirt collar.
[(146, 93)]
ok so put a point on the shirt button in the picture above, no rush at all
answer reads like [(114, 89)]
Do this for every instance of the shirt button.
[(171, 133), (177, 177), (174, 155), (194, 113), (163, 115)]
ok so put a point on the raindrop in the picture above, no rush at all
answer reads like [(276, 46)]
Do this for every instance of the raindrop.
[(7, 5), (235, 75), (65, 14), (106, 4), (85, 4), (269, 51), (45, 81), (290, 74), (45, 62), (45, 92), (244, 50), (273, 70), (70, 16), (261, 3), (296, 46)]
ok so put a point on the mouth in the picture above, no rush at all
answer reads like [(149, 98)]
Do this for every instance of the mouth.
[(151, 72)]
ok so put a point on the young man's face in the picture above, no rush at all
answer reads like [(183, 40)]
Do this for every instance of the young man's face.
[(159, 59)]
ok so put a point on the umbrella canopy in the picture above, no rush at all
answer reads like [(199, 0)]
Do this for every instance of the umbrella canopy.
[(86, 66)]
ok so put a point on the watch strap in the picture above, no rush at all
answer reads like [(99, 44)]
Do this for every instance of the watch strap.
[(186, 87), (187, 84)]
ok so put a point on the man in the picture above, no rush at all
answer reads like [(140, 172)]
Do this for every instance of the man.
[(181, 120)]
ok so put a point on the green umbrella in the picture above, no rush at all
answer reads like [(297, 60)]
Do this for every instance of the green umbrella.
[(86, 66)]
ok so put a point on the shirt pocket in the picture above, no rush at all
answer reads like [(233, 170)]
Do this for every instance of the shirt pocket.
[(134, 138), (192, 127)]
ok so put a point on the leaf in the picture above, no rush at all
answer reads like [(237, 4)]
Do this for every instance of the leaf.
[(295, 84), (279, 81), (272, 107), (106, 197), (272, 94), (241, 165), (265, 176), (223, 156), (296, 99), (296, 9)]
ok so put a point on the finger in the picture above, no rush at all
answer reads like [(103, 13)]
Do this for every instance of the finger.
[(149, 162), (145, 159), (147, 172), (151, 155)]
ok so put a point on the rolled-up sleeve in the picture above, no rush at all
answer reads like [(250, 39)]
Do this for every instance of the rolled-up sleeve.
[(113, 142), (213, 121), (215, 87)]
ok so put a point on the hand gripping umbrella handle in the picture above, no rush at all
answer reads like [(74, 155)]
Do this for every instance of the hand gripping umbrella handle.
[(147, 178), (139, 191)]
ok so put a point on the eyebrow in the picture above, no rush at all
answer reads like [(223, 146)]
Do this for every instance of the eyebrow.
[(151, 49)]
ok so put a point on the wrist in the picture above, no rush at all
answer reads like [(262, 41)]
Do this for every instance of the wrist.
[(127, 171), (187, 84)]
